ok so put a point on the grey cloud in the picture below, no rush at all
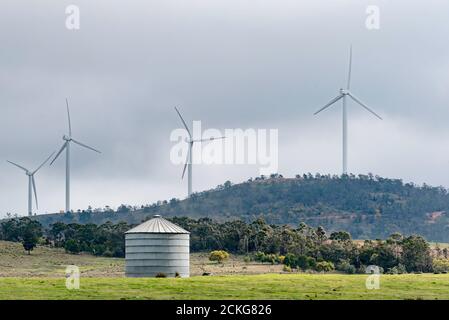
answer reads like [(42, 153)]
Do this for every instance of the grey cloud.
[(231, 64)]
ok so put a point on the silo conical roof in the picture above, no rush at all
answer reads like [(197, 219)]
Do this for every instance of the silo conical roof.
[(158, 225)]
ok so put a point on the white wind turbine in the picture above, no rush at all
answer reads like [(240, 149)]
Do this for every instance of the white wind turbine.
[(31, 183), (344, 93), (67, 140), (188, 163)]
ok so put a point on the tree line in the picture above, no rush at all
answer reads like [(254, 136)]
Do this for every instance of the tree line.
[(301, 247)]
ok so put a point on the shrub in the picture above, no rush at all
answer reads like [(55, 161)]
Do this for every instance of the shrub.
[(218, 255), (287, 269), (177, 275), (324, 266), (161, 275), (399, 269), (346, 267), (290, 260), (72, 246), (303, 262), (361, 269), (393, 270), (440, 265), (268, 258)]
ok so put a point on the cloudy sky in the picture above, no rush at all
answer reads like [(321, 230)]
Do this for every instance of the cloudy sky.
[(229, 63)]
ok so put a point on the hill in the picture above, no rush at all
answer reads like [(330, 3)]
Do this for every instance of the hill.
[(366, 206)]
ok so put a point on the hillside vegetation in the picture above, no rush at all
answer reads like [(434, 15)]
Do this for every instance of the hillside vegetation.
[(366, 206)]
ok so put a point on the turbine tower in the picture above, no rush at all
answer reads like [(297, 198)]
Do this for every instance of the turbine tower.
[(31, 183), (344, 93), (188, 163), (67, 141)]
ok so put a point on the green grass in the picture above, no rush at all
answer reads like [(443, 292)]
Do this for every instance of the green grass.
[(41, 276), (51, 262), (268, 286)]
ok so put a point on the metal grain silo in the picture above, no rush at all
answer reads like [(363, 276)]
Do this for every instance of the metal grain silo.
[(157, 246)]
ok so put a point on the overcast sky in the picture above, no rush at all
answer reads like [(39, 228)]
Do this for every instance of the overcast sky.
[(230, 63)]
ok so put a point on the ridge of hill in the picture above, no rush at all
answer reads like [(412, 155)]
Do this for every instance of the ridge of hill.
[(367, 206)]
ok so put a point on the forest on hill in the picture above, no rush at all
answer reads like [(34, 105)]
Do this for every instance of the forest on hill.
[(367, 206)]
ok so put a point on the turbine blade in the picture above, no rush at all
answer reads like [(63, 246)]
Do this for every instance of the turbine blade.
[(350, 67), (59, 152), (364, 105), (85, 146), (17, 165), (185, 164), (184, 123), (43, 163), (35, 191), (68, 116), (209, 139), (330, 103)]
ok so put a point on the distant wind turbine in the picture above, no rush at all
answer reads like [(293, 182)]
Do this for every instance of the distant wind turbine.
[(31, 183), (344, 93), (188, 163), (67, 140)]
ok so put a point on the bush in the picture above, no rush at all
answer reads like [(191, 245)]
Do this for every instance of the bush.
[(177, 275), (290, 260), (324, 266), (303, 262), (440, 265), (218, 255), (399, 269), (287, 269), (268, 258), (393, 270), (346, 267), (361, 269), (71, 246), (161, 275)]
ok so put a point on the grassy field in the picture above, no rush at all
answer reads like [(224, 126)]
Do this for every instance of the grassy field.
[(51, 262), (267, 286), (41, 275)]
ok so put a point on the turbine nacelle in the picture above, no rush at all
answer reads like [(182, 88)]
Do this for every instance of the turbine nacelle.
[(66, 138), (344, 91)]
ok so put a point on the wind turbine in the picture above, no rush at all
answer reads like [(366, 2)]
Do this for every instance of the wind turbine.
[(31, 183), (188, 163), (67, 140), (344, 93)]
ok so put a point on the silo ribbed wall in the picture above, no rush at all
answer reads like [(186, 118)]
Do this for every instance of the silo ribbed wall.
[(148, 254)]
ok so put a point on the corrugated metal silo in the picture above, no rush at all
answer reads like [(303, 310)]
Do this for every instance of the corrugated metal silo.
[(157, 246)]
